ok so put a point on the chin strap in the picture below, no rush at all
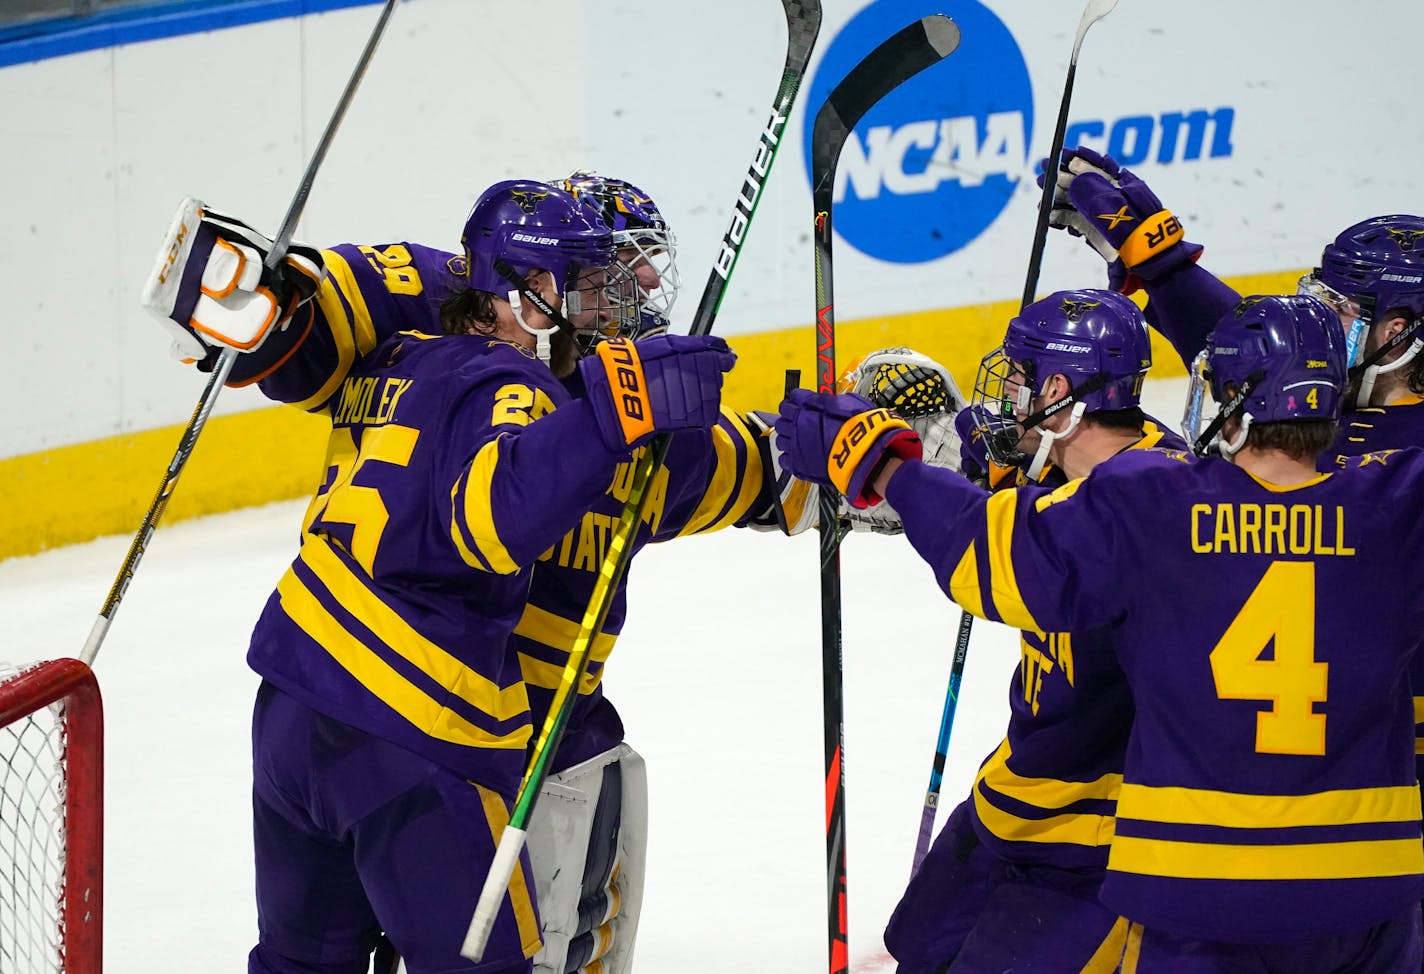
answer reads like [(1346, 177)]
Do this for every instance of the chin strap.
[(1047, 438), (542, 336), (1369, 370), (1212, 434), (1228, 450)]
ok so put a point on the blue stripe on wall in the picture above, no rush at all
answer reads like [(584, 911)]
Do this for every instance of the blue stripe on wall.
[(23, 43)]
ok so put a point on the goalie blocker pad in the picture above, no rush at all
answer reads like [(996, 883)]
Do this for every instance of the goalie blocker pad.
[(587, 843), (208, 286)]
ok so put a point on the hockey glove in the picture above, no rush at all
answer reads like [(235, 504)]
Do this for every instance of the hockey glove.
[(921, 392), (841, 441), (663, 384), (210, 289), (1121, 218)]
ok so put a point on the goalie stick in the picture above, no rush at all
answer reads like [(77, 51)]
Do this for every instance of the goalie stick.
[(906, 53), (223, 368), (1095, 11), (803, 23)]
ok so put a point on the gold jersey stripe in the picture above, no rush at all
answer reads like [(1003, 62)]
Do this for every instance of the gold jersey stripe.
[(351, 592), (964, 583), (1004, 585), (1044, 792), (1196, 806), (378, 676), (525, 919), (1091, 831), (338, 323), (1315, 860), (478, 515), (1109, 953)]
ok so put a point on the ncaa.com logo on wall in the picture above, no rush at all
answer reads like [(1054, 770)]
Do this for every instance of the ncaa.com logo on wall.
[(937, 161), (932, 165)]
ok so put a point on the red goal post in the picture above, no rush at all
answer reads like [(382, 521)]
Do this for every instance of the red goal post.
[(51, 819)]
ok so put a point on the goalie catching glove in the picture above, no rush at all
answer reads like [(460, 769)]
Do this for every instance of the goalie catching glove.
[(211, 289), (919, 390), (1124, 221)]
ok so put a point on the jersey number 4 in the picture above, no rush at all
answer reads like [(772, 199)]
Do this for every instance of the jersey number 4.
[(1280, 616)]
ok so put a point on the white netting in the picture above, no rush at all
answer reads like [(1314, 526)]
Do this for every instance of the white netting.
[(32, 839)]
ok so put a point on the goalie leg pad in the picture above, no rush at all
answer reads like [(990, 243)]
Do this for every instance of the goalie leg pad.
[(587, 844)]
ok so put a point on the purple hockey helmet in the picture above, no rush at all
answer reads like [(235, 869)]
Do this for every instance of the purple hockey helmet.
[(1372, 269), (520, 225), (637, 223), (1294, 347), (1283, 358), (1096, 338)]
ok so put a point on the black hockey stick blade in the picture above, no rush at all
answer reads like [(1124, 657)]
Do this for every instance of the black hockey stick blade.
[(899, 58)]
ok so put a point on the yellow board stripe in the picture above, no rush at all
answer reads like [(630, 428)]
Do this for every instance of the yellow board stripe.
[(1316, 860), (525, 919), (269, 454), (448, 671), (1195, 806), (478, 515)]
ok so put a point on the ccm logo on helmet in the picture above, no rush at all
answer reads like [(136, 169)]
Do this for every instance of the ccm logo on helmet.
[(533, 239)]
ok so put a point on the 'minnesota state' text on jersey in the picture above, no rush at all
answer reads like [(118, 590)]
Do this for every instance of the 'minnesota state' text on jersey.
[(1269, 790)]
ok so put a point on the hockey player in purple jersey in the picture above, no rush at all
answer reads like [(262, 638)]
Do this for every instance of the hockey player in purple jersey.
[(391, 726), (1263, 614), (1011, 881), (1372, 274)]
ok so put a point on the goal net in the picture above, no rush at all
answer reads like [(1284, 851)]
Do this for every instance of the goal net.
[(51, 819)]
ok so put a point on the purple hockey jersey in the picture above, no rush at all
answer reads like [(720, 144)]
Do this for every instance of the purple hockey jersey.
[(1186, 305), (710, 479), (1268, 790), (1048, 792)]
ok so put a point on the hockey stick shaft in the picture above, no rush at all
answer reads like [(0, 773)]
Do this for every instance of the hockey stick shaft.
[(803, 23), (906, 53), (225, 361), (946, 726), (1095, 11)]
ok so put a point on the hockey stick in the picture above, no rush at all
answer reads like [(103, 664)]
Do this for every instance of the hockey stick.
[(896, 60), (803, 23), (1095, 11), (218, 379)]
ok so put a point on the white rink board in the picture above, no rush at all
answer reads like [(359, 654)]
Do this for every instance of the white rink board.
[(102, 144)]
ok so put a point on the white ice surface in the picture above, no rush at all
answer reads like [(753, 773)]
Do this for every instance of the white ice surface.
[(717, 675)]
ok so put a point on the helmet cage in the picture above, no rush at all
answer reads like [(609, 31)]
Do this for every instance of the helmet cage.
[(998, 419)]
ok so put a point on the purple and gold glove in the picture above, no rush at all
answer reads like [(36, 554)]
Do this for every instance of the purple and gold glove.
[(1121, 218), (841, 441), (663, 384)]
